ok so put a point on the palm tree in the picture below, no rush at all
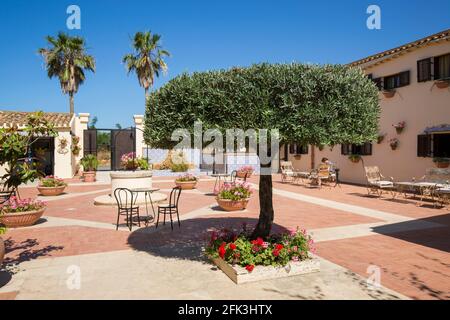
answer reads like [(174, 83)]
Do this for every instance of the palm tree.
[(66, 59), (147, 59)]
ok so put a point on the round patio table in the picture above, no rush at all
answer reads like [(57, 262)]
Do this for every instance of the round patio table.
[(219, 177), (147, 192)]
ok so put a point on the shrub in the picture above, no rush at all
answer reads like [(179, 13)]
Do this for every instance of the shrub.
[(180, 167), (89, 162), (51, 182), (235, 191), (237, 248), (441, 160)]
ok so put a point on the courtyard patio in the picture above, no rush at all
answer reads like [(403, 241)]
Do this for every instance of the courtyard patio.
[(408, 242)]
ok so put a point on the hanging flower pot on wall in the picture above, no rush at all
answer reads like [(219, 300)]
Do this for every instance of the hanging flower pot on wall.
[(442, 84), (399, 127), (381, 138), (354, 158), (394, 143), (388, 93)]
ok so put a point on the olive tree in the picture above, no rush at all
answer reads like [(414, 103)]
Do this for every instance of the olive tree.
[(307, 104)]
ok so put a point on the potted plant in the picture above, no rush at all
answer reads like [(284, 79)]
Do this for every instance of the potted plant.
[(17, 212), (388, 93), (51, 186), (355, 158), (442, 83), (75, 146), (244, 172), (186, 181), (399, 126), (234, 196), (15, 143), (129, 161), (441, 162), (380, 138), (90, 165), (394, 143), (280, 255), (2, 245)]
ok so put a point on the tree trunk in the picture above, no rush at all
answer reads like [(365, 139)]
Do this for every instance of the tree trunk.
[(147, 95), (72, 108), (266, 213)]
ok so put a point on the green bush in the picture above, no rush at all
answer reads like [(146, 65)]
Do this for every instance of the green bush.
[(441, 160), (89, 162), (180, 167)]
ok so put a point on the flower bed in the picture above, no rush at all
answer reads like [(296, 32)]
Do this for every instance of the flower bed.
[(277, 256), (51, 186), (186, 181), (17, 213), (234, 196)]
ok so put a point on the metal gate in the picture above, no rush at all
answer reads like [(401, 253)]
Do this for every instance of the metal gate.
[(109, 145)]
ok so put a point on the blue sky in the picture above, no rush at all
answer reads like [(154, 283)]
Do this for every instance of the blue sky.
[(201, 35)]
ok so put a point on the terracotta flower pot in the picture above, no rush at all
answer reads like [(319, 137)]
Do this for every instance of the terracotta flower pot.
[(242, 174), (442, 165), (21, 219), (186, 185), (89, 176), (399, 130), (230, 205), (51, 191), (388, 93), (442, 84), (2, 251)]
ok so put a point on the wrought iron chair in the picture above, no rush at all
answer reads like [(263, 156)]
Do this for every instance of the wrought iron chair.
[(287, 171), (126, 206), (377, 183), (170, 208)]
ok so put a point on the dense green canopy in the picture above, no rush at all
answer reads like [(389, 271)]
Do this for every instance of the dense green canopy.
[(320, 105)]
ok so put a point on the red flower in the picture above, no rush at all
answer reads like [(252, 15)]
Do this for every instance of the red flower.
[(276, 253), (258, 242), (278, 247), (222, 252), (250, 267), (232, 246)]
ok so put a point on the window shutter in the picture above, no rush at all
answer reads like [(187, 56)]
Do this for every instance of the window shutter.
[(424, 145), (345, 149), (404, 78), (292, 148), (304, 149), (424, 70), (366, 149)]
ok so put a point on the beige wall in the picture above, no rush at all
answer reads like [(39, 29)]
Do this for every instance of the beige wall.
[(421, 105)]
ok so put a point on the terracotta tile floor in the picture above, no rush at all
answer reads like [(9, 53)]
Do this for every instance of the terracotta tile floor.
[(415, 263)]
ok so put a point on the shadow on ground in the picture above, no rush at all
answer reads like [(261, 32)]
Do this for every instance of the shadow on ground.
[(436, 235), (187, 242)]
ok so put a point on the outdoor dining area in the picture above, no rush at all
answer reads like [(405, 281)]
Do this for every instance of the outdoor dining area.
[(433, 188)]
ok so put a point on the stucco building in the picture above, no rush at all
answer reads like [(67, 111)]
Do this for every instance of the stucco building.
[(411, 91)]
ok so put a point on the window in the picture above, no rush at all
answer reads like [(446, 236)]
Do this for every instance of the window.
[(396, 80), (441, 145), (298, 149), (424, 70), (442, 67), (378, 82), (433, 145), (355, 149)]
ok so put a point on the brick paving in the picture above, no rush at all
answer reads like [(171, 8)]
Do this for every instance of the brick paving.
[(412, 252)]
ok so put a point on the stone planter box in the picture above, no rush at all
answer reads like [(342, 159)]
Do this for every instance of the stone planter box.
[(240, 275), (21, 219), (2, 251), (230, 205), (186, 185), (89, 176), (51, 191)]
